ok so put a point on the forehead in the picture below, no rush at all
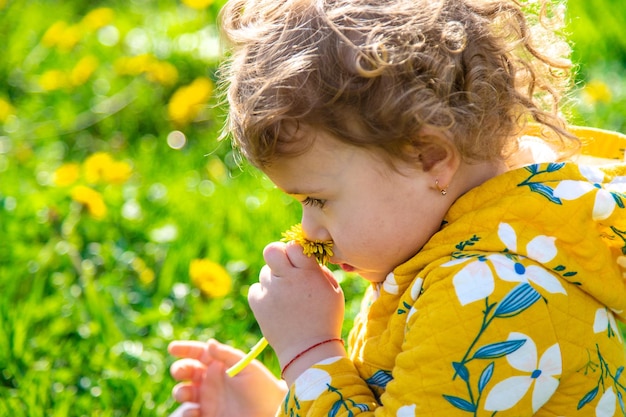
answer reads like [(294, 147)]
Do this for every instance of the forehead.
[(324, 159), (327, 166)]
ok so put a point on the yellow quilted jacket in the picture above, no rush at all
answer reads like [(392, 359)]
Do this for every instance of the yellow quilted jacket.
[(509, 310)]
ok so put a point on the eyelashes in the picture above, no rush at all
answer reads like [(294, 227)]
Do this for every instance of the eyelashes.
[(314, 202)]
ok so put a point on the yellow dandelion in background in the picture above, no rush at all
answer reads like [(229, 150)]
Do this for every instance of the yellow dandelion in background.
[(102, 168), (96, 165), (197, 4), (156, 71), (132, 65), (597, 91), (188, 100), (6, 110), (91, 199), (83, 70), (162, 72), (67, 174), (322, 250), (118, 173), (52, 80), (62, 36), (54, 33), (210, 277), (97, 18), (146, 274)]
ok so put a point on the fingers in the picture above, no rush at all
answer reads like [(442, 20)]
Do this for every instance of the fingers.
[(185, 392), (187, 370), (186, 410), (281, 257), (189, 349)]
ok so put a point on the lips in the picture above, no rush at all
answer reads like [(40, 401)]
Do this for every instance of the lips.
[(346, 267)]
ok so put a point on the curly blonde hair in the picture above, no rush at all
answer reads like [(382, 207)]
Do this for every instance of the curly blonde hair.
[(373, 73)]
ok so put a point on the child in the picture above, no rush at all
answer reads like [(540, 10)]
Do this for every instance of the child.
[(423, 138)]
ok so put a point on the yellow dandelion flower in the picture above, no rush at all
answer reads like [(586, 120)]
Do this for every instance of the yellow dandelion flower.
[(6, 110), (100, 167), (67, 174), (162, 72), (83, 70), (97, 18), (52, 80), (71, 36), (188, 100), (210, 277), (597, 91), (91, 199), (54, 34), (322, 250), (197, 4), (96, 167), (62, 36), (156, 71), (133, 65), (146, 274), (118, 172)]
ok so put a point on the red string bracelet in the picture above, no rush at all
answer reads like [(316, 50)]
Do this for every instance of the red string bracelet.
[(310, 348)]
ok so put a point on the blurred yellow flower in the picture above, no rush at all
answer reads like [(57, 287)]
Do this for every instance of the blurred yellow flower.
[(96, 166), (97, 18), (52, 80), (62, 36), (156, 71), (6, 109), (83, 70), (67, 174), (91, 199), (322, 250), (146, 274), (187, 101), (210, 277), (597, 91), (118, 173), (197, 4), (133, 65), (162, 72), (101, 167)]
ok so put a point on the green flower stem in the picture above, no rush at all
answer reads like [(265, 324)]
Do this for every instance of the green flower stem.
[(245, 361)]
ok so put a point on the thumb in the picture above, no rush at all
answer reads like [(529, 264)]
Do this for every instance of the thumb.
[(296, 256)]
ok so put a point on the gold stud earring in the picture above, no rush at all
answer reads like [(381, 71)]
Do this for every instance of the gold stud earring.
[(442, 190)]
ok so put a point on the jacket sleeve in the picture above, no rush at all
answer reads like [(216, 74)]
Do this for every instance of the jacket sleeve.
[(472, 344)]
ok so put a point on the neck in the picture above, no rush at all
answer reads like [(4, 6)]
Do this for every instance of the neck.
[(471, 175)]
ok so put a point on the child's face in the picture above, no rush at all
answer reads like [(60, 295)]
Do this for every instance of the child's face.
[(376, 216)]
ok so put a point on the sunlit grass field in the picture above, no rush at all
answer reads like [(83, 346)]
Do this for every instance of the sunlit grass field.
[(124, 222)]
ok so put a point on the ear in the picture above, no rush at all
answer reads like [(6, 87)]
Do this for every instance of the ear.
[(437, 154)]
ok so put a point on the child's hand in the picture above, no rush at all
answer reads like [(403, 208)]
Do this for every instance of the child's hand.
[(212, 393), (297, 302)]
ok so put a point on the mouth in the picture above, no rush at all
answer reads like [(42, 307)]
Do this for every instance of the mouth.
[(347, 268)]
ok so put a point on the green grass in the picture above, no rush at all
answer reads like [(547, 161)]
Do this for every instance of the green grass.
[(82, 333)]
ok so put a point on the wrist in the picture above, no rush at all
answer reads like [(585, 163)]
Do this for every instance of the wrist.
[(309, 356)]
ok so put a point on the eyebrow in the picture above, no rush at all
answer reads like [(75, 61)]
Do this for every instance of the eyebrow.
[(300, 192)]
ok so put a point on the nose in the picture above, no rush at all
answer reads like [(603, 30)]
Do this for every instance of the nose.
[(312, 228)]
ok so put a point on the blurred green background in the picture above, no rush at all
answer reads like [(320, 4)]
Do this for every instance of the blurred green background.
[(124, 223)]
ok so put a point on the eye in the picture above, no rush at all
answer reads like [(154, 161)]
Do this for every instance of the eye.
[(314, 202)]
